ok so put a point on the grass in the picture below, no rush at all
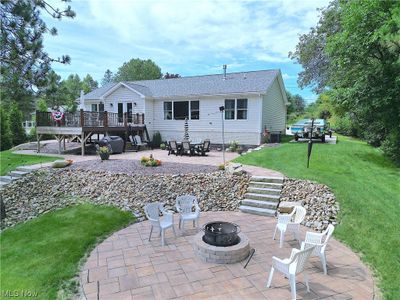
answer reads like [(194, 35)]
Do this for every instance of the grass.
[(10, 161), (367, 187), (41, 255)]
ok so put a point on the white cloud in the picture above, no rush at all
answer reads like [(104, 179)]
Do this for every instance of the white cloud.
[(287, 76)]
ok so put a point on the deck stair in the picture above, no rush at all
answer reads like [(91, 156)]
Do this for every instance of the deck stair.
[(15, 175), (262, 197)]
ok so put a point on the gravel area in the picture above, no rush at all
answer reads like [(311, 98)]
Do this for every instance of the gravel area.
[(134, 167)]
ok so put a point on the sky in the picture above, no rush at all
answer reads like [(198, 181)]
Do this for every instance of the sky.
[(189, 37)]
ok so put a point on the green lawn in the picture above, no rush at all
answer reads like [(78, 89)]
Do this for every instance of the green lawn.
[(9, 161), (367, 187), (41, 255)]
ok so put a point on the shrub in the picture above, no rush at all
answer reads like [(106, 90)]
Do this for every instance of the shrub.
[(391, 147), (163, 146), (5, 133), (156, 139), (17, 130), (150, 161), (345, 126), (233, 146), (221, 167)]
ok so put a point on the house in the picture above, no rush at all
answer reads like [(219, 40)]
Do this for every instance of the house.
[(253, 101)]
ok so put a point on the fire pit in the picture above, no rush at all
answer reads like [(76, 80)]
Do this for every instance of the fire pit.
[(221, 243), (221, 234)]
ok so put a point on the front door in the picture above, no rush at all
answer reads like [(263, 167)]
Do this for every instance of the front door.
[(129, 111)]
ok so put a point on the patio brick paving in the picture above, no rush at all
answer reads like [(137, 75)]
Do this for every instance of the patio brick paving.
[(127, 266)]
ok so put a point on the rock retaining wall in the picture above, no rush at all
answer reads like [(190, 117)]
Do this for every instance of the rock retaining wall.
[(47, 190), (317, 199)]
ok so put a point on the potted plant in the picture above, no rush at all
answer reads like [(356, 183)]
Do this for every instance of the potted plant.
[(104, 152), (163, 146)]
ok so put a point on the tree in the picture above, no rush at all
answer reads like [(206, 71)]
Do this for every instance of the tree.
[(168, 75), (138, 69), (358, 44), (53, 93), (297, 103), (72, 87), (41, 105), (16, 119), (107, 78), (89, 84), (5, 133), (24, 62), (310, 51)]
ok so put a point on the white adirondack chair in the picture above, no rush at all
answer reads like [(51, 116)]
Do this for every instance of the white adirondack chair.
[(291, 266), (153, 211), (319, 241), (290, 223), (188, 209)]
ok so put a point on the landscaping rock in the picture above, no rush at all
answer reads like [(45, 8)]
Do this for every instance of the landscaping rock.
[(317, 199), (51, 189)]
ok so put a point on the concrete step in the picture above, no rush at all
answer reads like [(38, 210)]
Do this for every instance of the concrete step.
[(25, 169), (267, 191), (262, 204), (269, 185), (17, 174), (6, 178), (262, 197), (257, 210), (267, 179)]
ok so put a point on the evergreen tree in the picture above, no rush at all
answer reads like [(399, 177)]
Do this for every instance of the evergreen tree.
[(24, 63), (107, 78), (5, 134), (17, 130), (89, 84)]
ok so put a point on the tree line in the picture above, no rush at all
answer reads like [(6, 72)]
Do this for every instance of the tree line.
[(351, 58)]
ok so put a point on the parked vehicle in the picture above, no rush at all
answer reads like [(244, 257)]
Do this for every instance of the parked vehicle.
[(302, 129)]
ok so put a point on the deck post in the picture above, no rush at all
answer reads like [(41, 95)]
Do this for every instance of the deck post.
[(83, 142), (105, 118), (64, 142), (142, 118), (82, 119), (125, 119)]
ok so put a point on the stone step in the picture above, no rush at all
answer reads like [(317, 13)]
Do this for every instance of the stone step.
[(269, 185), (267, 179), (17, 174), (257, 210), (262, 204), (25, 169), (3, 184), (267, 191), (6, 178), (262, 197)]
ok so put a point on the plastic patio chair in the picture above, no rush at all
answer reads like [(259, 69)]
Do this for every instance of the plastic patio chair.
[(188, 209), (319, 241), (187, 148), (290, 223), (292, 266), (153, 211), (173, 148), (203, 148)]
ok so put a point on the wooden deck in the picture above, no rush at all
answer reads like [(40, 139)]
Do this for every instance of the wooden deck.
[(82, 125)]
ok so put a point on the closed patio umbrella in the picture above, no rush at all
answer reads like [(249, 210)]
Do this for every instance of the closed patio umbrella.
[(186, 130)]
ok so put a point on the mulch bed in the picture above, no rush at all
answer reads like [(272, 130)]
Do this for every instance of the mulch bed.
[(132, 167)]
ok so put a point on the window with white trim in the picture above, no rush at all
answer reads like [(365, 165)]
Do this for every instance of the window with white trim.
[(180, 110), (236, 109)]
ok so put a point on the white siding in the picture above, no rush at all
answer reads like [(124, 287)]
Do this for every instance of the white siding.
[(274, 109), (209, 125), (124, 95)]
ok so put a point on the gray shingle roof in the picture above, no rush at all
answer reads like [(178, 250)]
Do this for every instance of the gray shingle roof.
[(241, 82)]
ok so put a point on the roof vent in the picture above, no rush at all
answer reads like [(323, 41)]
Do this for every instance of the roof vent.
[(224, 67)]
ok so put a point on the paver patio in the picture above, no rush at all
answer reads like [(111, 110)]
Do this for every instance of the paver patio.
[(127, 266)]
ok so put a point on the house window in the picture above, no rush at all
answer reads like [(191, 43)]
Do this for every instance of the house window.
[(98, 107), (168, 110), (241, 109), (180, 110), (229, 109), (94, 107), (194, 110), (235, 109)]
